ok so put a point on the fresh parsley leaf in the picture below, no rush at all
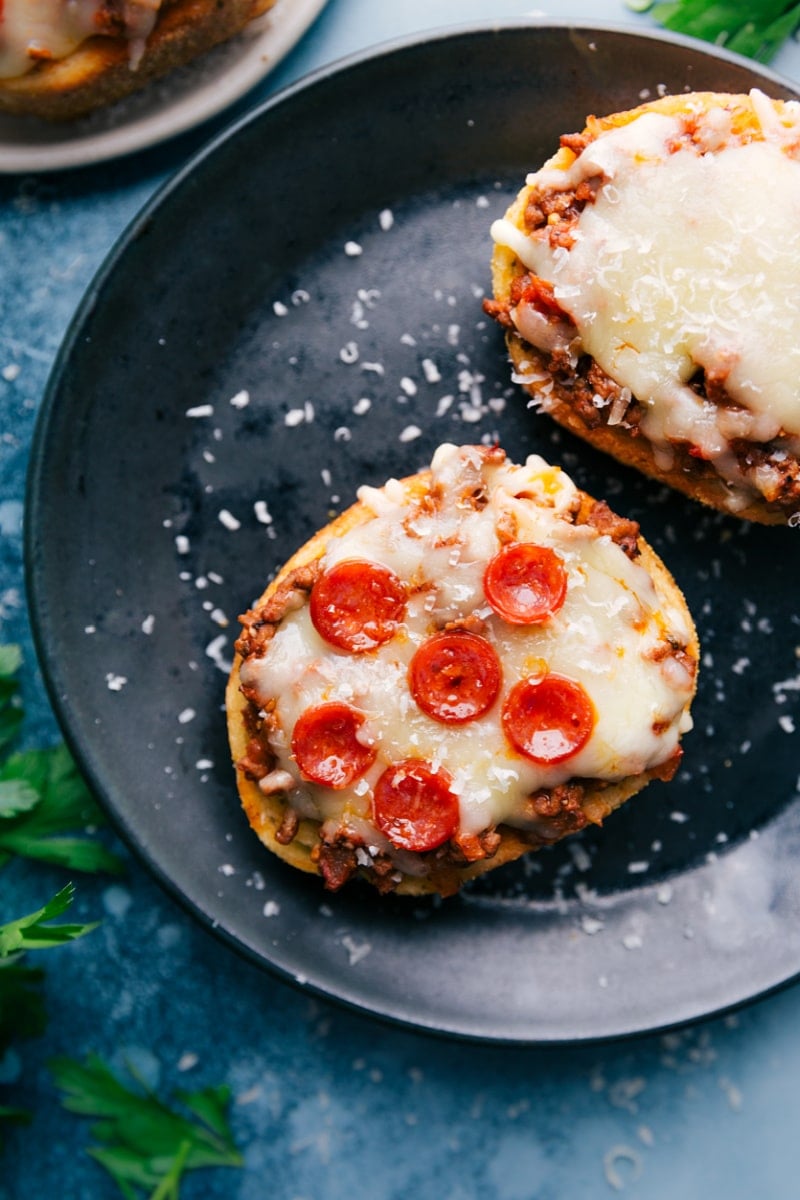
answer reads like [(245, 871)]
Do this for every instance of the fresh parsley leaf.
[(42, 798), (64, 804), (11, 712), (16, 796), (757, 30), (22, 1011), (42, 794), (33, 932), (143, 1142), (10, 660)]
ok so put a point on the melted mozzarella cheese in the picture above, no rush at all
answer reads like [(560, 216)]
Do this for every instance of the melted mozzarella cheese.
[(686, 259), (32, 31), (611, 621)]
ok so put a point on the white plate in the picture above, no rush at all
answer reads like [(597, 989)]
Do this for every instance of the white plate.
[(172, 105)]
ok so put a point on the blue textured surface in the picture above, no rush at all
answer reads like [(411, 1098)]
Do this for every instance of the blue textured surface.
[(326, 1103)]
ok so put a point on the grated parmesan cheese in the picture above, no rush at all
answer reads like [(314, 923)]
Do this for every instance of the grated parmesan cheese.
[(664, 278)]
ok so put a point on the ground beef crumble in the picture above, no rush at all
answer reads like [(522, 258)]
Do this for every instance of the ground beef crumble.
[(599, 516), (257, 759), (287, 830), (467, 848), (558, 810), (337, 862), (259, 624)]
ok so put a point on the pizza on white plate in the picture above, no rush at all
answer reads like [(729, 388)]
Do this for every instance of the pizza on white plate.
[(62, 59)]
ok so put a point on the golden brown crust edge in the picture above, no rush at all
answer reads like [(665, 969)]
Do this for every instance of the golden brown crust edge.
[(98, 73), (265, 813), (701, 483)]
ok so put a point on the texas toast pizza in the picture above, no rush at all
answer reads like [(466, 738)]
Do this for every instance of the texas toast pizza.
[(60, 59), (647, 280), (465, 665)]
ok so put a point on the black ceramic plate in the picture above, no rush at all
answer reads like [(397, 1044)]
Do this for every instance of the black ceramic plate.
[(298, 313)]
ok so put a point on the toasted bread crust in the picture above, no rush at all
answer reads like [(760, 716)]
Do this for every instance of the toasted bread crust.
[(691, 476), (266, 812), (699, 483), (98, 73)]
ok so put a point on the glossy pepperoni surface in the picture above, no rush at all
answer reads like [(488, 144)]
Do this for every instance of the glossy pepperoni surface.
[(455, 677), (357, 605), (525, 583), (414, 806), (327, 745), (548, 720)]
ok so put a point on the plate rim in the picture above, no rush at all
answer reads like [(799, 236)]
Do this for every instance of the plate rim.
[(48, 665)]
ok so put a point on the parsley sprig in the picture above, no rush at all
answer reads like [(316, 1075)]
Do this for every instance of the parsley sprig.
[(43, 798), (755, 29), (11, 712), (34, 932), (144, 1143), (22, 1011)]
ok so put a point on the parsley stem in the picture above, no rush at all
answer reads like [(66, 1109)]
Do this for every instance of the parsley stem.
[(168, 1188)]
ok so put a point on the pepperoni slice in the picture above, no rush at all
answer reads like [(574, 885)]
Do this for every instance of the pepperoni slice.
[(455, 676), (525, 583), (548, 719), (326, 745), (357, 605), (414, 806)]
